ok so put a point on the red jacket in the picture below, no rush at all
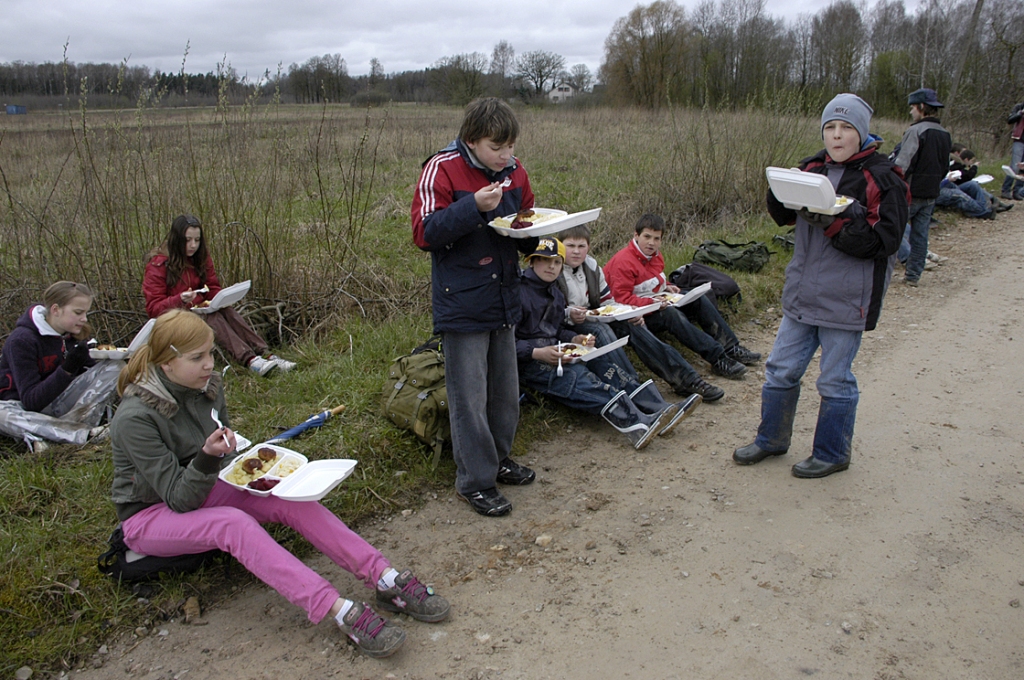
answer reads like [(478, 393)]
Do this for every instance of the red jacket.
[(631, 276), (162, 298)]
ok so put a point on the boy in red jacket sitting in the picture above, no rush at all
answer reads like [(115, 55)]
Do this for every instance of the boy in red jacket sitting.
[(637, 272)]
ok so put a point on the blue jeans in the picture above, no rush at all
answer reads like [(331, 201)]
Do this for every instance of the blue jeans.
[(663, 359), (904, 252), (586, 386), (605, 335), (483, 403), (953, 196), (795, 345), (1010, 184), (920, 218), (674, 321)]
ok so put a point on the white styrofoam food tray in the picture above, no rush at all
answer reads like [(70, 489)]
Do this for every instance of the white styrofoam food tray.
[(589, 353), (796, 189), (226, 297), (680, 299), (563, 221), (613, 311), (124, 352), (310, 482)]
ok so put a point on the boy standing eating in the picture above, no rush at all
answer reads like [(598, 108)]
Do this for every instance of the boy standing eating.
[(475, 294), (637, 272)]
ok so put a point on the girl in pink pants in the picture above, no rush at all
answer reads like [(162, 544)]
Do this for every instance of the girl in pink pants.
[(168, 452)]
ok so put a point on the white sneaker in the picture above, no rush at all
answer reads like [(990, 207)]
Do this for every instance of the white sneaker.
[(99, 433), (283, 364), (936, 258), (261, 366), (928, 264)]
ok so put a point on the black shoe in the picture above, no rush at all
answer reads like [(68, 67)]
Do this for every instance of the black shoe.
[(752, 453), (512, 473), (728, 368), (706, 390), (488, 502), (743, 355), (812, 468)]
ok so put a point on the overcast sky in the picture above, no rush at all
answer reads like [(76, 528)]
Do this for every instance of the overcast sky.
[(256, 35)]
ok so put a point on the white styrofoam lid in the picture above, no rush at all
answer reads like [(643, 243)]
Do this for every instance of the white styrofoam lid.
[(141, 337), (796, 189), (315, 479), (552, 226)]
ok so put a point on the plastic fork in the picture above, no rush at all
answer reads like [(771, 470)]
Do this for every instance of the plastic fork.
[(220, 426), (558, 372)]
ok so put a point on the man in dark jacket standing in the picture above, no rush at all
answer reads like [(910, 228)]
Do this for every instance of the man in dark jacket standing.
[(923, 155), (1013, 188)]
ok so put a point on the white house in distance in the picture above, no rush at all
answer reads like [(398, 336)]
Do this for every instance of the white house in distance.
[(561, 93)]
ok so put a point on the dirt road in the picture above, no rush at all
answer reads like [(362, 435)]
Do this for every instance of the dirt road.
[(676, 563)]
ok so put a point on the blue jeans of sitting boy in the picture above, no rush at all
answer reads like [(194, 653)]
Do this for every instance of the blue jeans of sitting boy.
[(675, 322), (920, 219), (662, 358), (483, 404), (1012, 187), (604, 335), (795, 345), (953, 196), (586, 386), (904, 252)]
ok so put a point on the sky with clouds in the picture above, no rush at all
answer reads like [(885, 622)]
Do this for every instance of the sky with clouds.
[(255, 36)]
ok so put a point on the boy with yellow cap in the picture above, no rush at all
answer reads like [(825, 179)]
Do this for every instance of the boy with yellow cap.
[(599, 386)]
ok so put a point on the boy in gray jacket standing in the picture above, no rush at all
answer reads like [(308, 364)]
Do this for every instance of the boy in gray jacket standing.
[(923, 155)]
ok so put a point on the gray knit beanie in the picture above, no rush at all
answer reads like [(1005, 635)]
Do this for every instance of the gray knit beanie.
[(849, 108)]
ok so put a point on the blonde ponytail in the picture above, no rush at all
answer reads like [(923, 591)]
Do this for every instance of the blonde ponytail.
[(175, 333)]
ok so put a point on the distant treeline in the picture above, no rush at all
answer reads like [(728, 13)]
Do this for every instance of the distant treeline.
[(729, 53)]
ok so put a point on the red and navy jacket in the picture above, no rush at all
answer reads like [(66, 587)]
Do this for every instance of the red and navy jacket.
[(30, 366), (838, 275), (475, 271)]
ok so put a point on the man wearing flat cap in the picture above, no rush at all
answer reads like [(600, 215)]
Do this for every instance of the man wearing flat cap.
[(923, 154)]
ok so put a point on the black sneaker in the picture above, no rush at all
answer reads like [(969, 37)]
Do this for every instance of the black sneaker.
[(411, 597), (728, 368), (706, 390), (373, 634), (743, 355), (488, 502), (514, 474)]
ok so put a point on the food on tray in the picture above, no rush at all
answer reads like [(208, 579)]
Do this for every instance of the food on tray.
[(843, 200), (263, 484), (287, 466), (252, 467), (572, 350), (524, 219), (204, 303), (105, 348), (607, 309)]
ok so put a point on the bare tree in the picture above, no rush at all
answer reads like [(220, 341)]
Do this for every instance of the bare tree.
[(645, 55), (503, 60), (839, 37), (579, 77), (376, 71), (539, 67), (459, 78)]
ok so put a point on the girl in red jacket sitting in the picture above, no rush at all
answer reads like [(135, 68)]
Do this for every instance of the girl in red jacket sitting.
[(180, 275)]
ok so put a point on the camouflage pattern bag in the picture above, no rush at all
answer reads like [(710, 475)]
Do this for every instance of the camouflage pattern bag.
[(415, 398), (745, 257)]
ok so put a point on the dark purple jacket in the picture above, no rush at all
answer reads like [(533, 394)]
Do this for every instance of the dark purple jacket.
[(543, 322), (30, 366)]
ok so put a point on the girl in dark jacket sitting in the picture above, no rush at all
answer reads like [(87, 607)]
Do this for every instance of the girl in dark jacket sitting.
[(49, 387)]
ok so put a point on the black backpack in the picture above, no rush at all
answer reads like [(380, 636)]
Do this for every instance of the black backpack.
[(723, 287), (122, 564)]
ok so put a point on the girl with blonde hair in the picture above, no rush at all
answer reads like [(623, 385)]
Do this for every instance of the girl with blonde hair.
[(168, 451)]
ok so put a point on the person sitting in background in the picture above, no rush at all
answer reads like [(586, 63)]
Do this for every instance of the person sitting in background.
[(50, 389), (959, 190), (168, 449), (180, 275), (637, 272), (584, 287), (599, 386)]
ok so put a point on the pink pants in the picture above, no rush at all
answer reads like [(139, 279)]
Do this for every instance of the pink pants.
[(230, 520)]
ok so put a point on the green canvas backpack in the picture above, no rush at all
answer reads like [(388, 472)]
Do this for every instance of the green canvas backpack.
[(414, 396), (745, 257)]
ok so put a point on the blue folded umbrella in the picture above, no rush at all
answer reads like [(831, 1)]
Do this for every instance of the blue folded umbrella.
[(315, 420)]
